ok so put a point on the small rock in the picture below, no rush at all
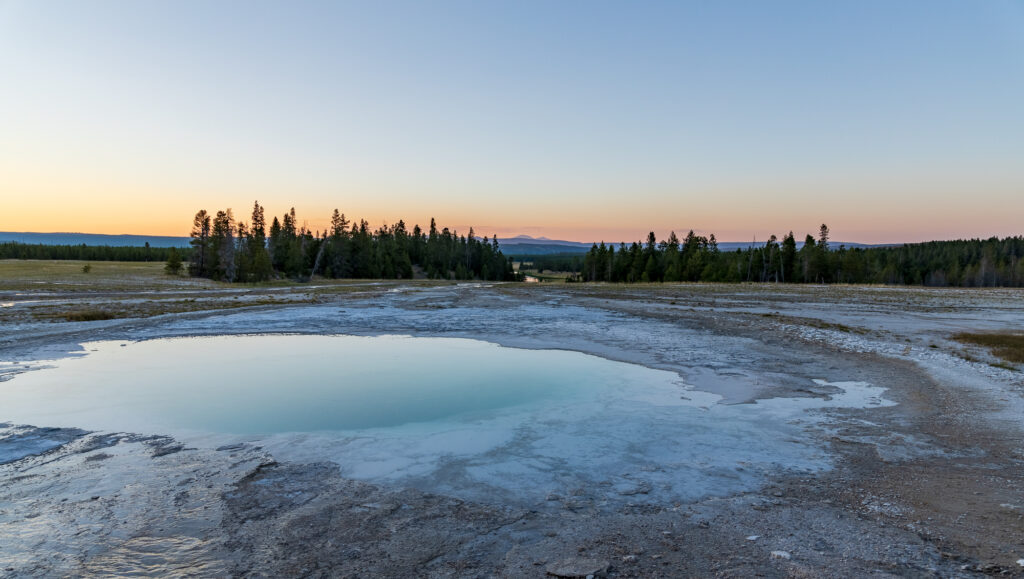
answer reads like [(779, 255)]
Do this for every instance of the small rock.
[(781, 555), (629, 559), (777, 494), (577, 567), (628, 490), (1020, 562)]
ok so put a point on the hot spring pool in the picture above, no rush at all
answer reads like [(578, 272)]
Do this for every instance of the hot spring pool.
[(448, 415), (267, 384)]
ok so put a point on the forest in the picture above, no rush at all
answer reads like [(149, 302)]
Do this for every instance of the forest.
[(16, 250), (229, 250), (965, 263)]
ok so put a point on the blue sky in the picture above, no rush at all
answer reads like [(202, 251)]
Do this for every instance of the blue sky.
[(891, 121)]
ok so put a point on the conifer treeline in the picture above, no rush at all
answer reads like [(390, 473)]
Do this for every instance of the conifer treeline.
[(18, 250), (966, 263), (230, 250), (245, 252)]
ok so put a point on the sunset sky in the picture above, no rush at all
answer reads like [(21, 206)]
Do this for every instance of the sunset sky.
[(582, 120)]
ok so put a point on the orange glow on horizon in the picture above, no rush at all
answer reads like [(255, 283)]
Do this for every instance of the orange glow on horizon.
[(172, 219), (38, 204)]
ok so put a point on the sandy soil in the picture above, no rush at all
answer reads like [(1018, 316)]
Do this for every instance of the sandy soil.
[(930, 486)]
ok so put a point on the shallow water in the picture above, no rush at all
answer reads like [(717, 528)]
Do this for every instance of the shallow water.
[(456, 416), (274, 384)]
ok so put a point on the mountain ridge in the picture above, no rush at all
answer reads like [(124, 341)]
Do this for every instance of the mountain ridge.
[(517, 245)]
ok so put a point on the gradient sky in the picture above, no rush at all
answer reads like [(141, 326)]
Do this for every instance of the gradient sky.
[(890, 120)]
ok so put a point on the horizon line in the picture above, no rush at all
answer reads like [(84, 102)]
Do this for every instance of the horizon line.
[(545, 240)]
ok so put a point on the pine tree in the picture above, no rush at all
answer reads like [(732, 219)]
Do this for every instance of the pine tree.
[(222, 244), (338, 224), (199, 264), (789, 258), (822, 257), (260, 266), (173, 266), (807, 253)]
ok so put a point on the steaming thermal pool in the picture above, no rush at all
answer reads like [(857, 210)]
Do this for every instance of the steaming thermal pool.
[(457, 416)]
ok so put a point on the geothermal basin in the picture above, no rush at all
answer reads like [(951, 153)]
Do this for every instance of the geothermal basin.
[(455, 416)]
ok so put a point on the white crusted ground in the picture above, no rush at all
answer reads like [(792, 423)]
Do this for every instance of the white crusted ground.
[(910, 476)]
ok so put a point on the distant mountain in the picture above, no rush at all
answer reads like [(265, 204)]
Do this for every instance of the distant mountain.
[(539, 248), (518, 245), (532, 239), (526, 245), (93, 239), (528, 240)]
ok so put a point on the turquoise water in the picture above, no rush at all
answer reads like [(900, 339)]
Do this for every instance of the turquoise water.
[(272, 383), (453, 416)]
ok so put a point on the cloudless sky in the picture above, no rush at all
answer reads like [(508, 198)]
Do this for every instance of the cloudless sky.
[(889, 120)]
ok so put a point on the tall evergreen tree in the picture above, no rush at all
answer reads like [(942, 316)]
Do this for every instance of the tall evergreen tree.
[(260, 266), (222, 245), (807, 260), (788, 258), (199, 264)]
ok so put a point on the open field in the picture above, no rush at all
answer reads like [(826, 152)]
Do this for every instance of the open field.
[(31, 274), (927, 484), (39, 291)]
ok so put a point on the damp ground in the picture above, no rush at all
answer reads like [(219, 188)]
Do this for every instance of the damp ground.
[(750, 430)]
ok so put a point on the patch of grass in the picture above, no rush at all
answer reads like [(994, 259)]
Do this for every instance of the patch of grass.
[(547, 275), (1003, 365), (1008, 346), (88, 315), (815, 323), (67, 276), (839, 327)]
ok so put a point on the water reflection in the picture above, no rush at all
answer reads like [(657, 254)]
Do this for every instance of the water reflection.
[(272, 384)]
